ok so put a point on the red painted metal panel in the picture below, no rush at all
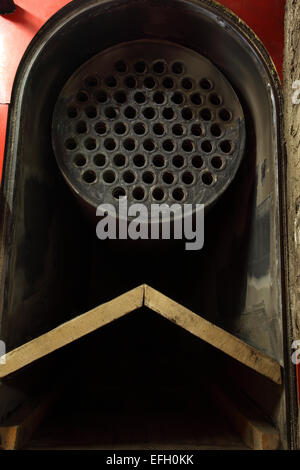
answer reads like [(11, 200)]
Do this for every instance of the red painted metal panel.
[(266, 18), (16, 31), (3, 120)]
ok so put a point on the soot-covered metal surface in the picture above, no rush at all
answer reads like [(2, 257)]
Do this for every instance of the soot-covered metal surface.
[(227, 282)]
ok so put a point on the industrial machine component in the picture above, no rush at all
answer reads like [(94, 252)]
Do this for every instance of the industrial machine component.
[(149, 120), (173, 101)]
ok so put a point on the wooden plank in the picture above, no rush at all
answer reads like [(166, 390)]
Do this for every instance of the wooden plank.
[(126, 303), (292, 162), (212, 334), (72, 330), (253, 428)]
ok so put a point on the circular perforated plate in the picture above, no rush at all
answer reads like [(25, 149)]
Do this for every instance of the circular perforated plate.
[(150, 120)]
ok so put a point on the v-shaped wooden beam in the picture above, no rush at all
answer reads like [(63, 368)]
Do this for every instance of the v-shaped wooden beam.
[(120, 306)]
